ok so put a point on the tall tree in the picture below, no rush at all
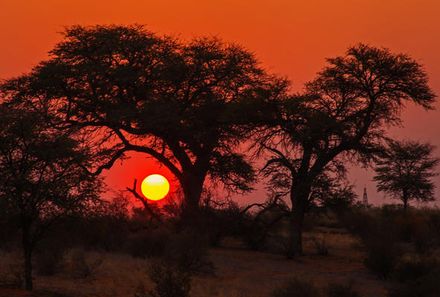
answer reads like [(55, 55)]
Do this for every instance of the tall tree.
[(41, 176), (184, 104), (405, 170), (342, 116)]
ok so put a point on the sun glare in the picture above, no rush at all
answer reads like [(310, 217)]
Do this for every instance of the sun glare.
[(155, 187)]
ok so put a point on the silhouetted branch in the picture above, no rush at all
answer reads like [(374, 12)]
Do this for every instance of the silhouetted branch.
[(143, 200)]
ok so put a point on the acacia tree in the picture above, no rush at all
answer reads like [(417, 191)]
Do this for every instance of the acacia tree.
[(41, 179), (342, 116), (184, 104), (404, 170)]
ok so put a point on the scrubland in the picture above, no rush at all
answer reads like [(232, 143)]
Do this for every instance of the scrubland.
[(369, 252)]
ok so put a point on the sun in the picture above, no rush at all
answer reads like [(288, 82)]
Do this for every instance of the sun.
[(155, 187)]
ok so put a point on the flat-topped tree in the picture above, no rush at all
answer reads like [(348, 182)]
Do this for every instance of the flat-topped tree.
[(131, 90), (405, 170), (42, 178), (342, 117)]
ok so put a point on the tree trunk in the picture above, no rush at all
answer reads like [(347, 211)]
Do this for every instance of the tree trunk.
[(405, 204), (192, 190), (295, 240), (298, 196), (405, 200), (27, 254)]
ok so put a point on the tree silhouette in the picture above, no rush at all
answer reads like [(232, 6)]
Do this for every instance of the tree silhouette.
[(342, 116), (41, 179), (185, 104), (405, 169)]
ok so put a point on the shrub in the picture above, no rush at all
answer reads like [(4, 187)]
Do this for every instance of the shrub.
[(80, 267), (426, 286), (320, 245), (218, 221), (413, 269), (341, 290), (358, 221), (168, 282), (424, 238), (49, 261), (255, 236), (383, 254), (149, 243), (188, 251), (379, 235), (296, 288), (11, 276)]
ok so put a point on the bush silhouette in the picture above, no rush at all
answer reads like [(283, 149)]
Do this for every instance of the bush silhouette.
[(169, 281), (341, 290), (188, 251), (296, 288)]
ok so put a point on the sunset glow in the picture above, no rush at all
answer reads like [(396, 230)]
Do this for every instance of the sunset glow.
[(290, 38), (155, 187)]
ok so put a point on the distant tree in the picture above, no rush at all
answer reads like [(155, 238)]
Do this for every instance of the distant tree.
[(41, 177), (341, 117), (404, 170), (184, 104)]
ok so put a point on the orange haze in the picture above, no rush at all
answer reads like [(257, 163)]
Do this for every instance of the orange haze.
[(290, 37)]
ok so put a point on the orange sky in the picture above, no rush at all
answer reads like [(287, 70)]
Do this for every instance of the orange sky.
[(290, 37)]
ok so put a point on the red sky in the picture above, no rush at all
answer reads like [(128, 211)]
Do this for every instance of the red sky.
[(290, 38)]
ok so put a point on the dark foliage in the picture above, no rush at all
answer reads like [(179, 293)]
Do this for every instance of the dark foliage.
[(382, 256), (341, 290), (182, 103), (41, 175), (148, 243), (296, 288), (412, 269), (79, 266), (188, 251), (426, 286), (169, 281), (49, 258), (341, 117), (405, 170)]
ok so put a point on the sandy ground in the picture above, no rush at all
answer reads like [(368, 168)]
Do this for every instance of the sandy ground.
[(239, 272)]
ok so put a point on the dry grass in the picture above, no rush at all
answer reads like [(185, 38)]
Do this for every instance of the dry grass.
[(239, 273)]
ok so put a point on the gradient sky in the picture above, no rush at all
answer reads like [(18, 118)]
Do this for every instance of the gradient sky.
[(290, 37)]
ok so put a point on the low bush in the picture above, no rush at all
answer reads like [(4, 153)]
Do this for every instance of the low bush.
[(412, 269), (255, 236), (81, 267), (148, 243), (341, 290), (420, 277), (168, 282), (11, 274), (296, 288), (383, 254), (426, 286), (49, 262), (221, 221), (188, 251), (320, 245)]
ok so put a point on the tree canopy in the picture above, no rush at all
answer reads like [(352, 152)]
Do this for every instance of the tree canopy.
[(128, 89), (342, 116)]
